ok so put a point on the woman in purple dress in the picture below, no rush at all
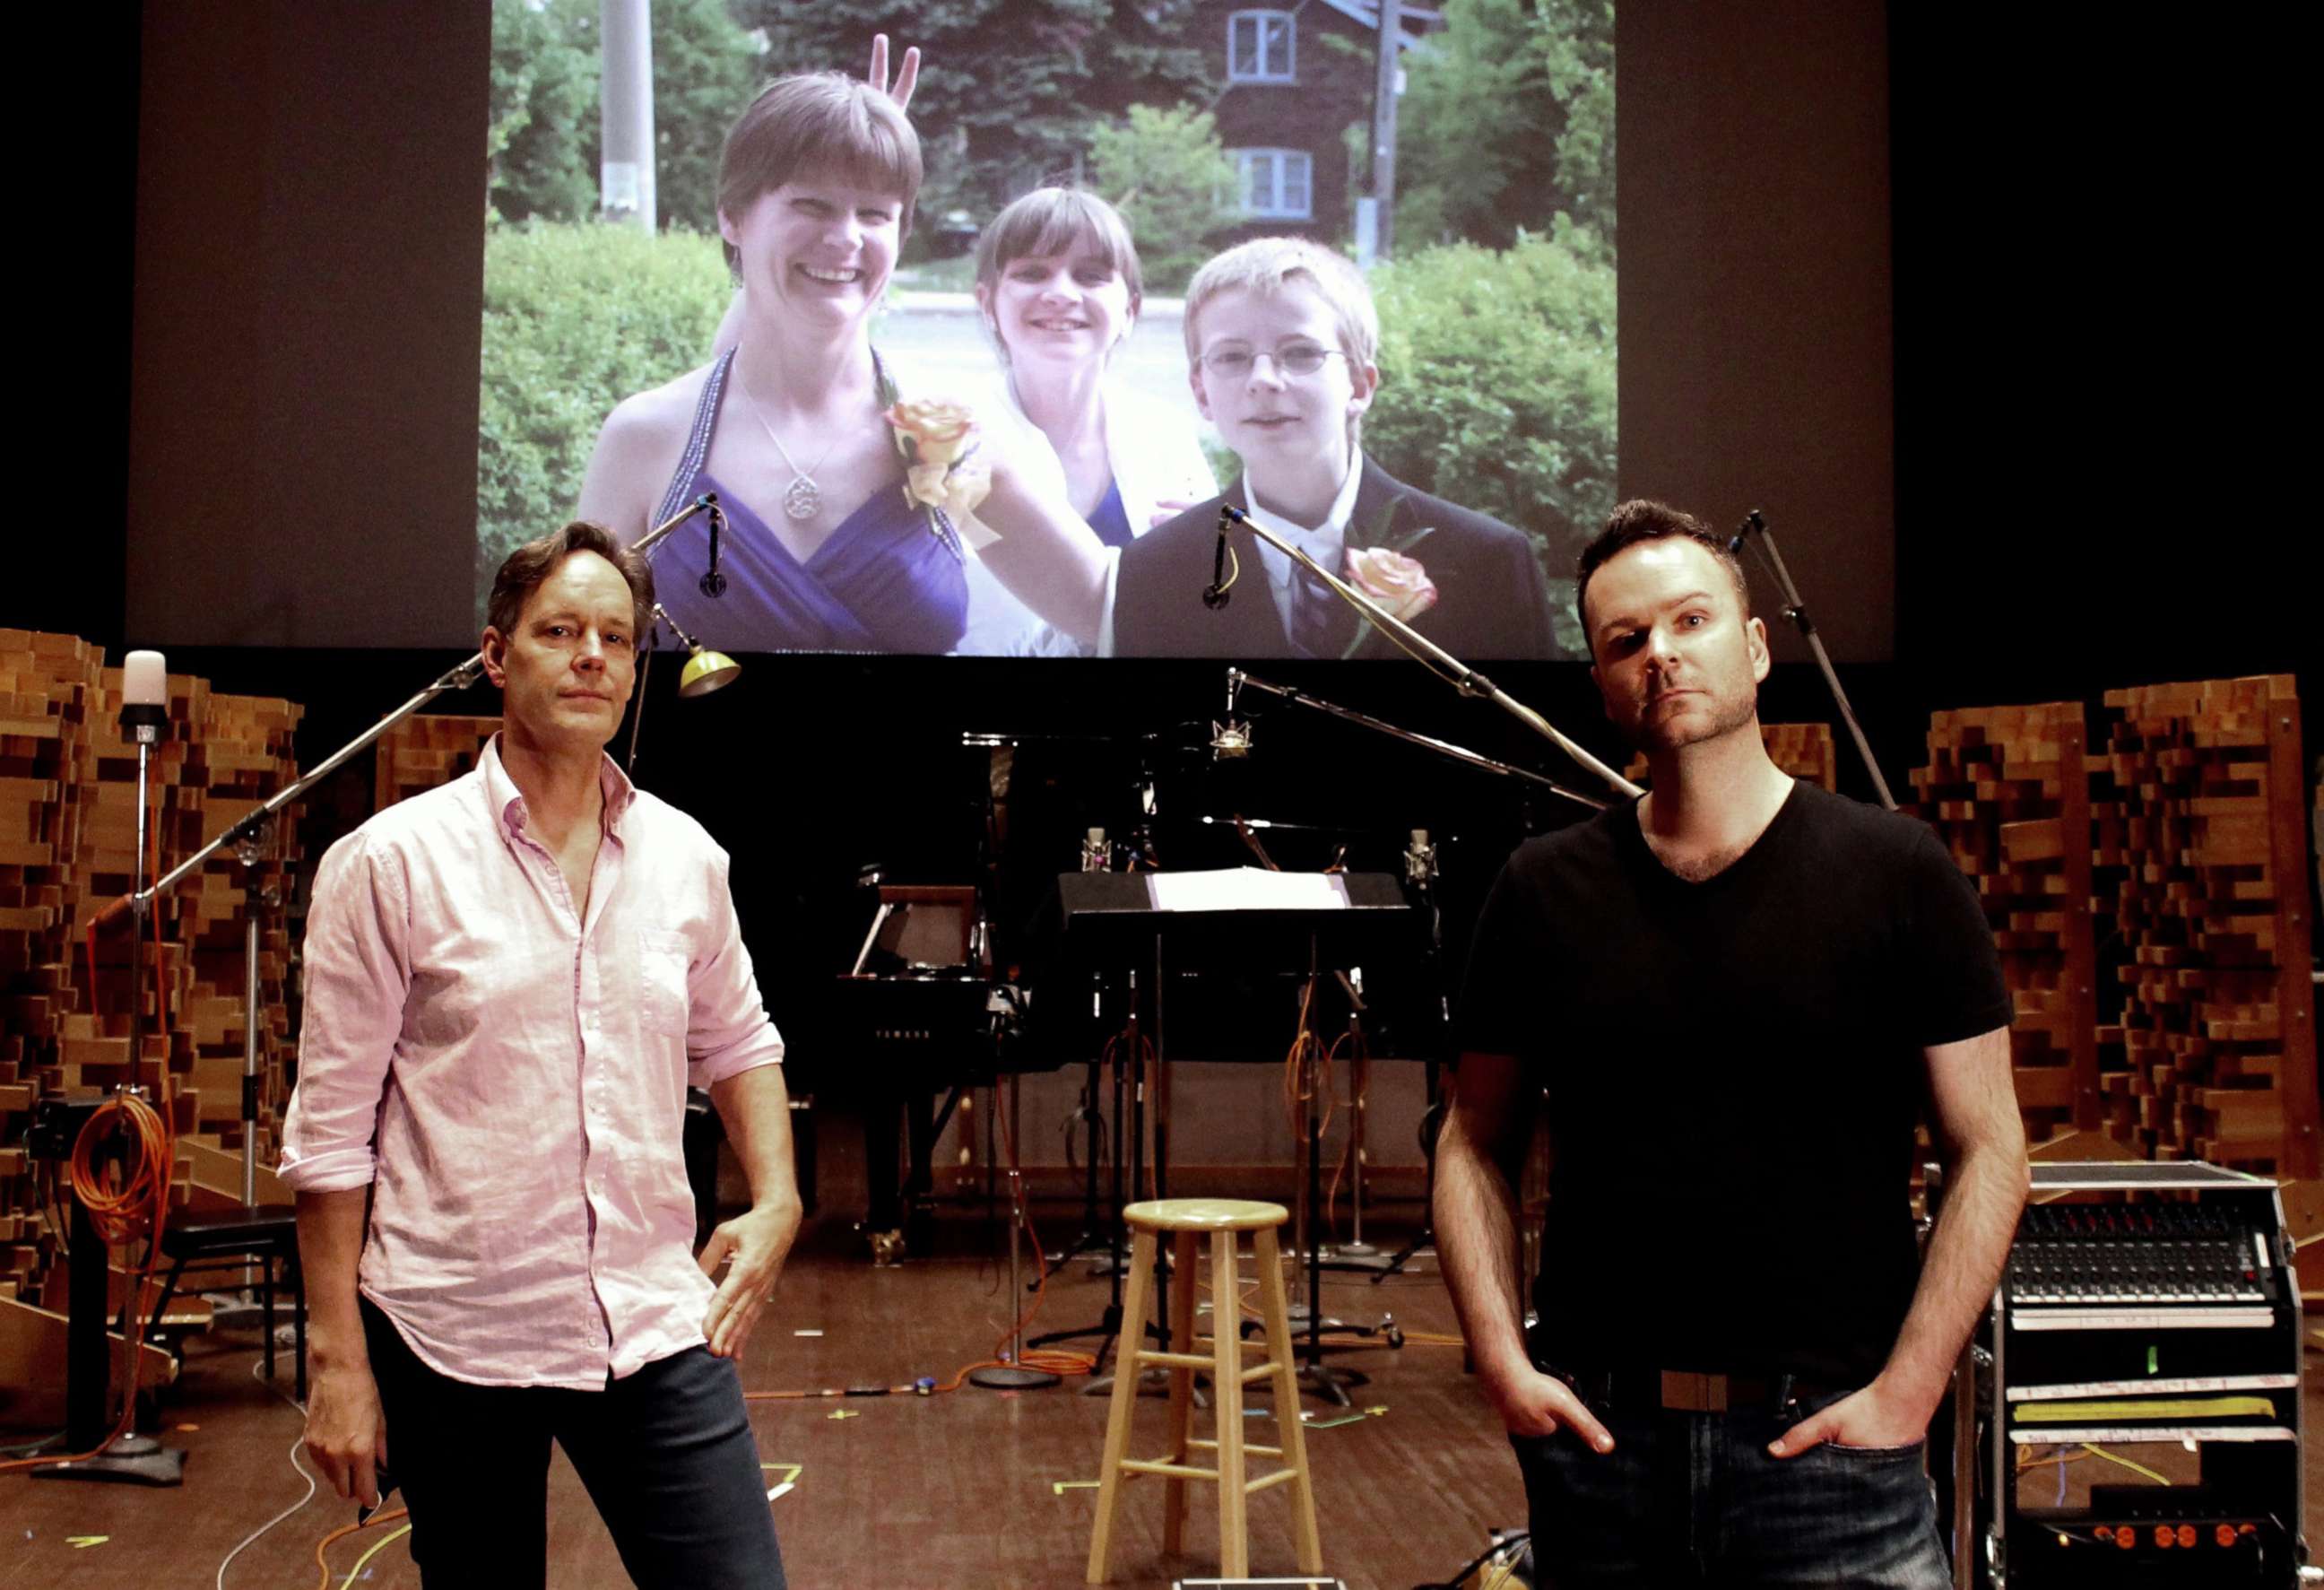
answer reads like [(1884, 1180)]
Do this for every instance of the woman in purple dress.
[(825, 549)]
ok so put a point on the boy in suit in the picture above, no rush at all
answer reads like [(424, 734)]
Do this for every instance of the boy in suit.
[(1282, 340)]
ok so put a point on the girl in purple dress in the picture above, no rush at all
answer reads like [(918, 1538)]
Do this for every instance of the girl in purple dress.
[(825, 549)]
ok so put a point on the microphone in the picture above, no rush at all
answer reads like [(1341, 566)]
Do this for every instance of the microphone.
[(1224, 565), (1752, 522), (1419, 860), (713, 583), (1233, 737), (144, 696)]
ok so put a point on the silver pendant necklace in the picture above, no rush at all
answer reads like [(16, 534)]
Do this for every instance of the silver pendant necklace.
[(802, 499)]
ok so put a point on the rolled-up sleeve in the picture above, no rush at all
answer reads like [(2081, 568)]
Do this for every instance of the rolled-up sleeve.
[(358, 975), (727, 1030)]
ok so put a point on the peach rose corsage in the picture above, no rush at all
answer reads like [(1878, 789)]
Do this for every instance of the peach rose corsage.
[(942, 471)]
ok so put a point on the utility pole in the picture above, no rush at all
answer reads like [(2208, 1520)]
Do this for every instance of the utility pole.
[(625, 173), (1391, 27)]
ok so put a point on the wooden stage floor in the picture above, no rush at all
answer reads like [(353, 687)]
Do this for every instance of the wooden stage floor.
[(958, 1490)]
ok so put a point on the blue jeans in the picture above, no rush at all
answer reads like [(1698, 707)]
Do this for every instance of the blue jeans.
[(1695, 1498), (666, 1455)]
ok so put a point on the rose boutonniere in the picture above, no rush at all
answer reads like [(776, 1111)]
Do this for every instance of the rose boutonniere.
[(1398, 582), (1379, 563)]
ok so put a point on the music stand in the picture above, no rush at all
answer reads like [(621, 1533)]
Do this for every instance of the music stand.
[(1117, 919)]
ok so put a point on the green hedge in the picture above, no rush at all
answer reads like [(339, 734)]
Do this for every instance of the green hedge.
[(576, 318), (1497, 390)]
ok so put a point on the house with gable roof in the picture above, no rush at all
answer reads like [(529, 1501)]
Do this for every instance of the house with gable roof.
[(1293, 77)]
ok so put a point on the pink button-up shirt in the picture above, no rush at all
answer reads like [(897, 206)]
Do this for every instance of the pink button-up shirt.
[(512, 1078)]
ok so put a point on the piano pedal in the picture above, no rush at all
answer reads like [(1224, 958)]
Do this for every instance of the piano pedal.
[(887, 1247)]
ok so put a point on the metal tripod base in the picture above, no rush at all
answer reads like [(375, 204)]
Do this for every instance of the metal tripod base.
[(1093, 1240), (1298, 1316), (1010, 1377), (1422, 1246), (1322, 1380), (132, 1460)]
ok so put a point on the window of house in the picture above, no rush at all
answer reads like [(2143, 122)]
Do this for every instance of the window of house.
[(1277, 184), (1259, 46)]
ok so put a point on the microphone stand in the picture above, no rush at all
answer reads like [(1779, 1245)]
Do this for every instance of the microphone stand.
[(135, 1456), (1427, 652), (457, 677), (1754, 525), (1237, 679)]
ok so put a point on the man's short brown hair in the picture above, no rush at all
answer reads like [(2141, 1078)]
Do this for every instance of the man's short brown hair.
[(1642, 518), (522, 570)]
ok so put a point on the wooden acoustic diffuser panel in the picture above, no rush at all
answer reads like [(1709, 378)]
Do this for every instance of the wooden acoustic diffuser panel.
[(2205, 833), (2007, 790)]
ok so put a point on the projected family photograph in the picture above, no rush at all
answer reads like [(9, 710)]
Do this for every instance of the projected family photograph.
[(972, 335)]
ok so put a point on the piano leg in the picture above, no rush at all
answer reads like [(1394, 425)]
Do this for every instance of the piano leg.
[(922, 1124), (883, 1124)]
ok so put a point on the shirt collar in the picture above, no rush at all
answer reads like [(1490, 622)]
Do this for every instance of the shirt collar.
[(506, 801), (1323, 541)]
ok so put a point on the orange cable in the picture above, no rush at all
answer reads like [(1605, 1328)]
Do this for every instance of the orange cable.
[(121, 1208), (342, 1532)]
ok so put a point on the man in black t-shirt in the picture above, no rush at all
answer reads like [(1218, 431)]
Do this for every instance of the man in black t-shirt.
[(1738, 995)]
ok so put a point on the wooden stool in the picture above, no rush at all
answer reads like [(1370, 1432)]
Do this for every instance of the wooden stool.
[(1188, 1219)]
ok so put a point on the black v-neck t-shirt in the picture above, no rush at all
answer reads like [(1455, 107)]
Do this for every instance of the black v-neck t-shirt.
[(1734, 1068)]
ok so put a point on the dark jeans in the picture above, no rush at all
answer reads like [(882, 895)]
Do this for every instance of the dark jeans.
[(1695, 1498), (666, 1455)]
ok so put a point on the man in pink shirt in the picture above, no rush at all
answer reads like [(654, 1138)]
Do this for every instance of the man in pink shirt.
[(510, 983)]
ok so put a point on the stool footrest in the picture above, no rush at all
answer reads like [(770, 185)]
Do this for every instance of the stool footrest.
[(1258, 1371), (1155, 1358), (1264, 1480), (1139, 1465), (1248, 1447)]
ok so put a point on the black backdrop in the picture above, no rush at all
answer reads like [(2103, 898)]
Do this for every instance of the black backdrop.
[(2096, 376)]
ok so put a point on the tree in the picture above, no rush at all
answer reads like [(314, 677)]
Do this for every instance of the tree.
[(1498, 388), (1508, 123), (1170, 177), (540, 134), (544, 137), (1009, 89), (577, 315), (706, 69)]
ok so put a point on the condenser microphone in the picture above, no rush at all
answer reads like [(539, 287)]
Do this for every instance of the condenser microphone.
[(1419, 860), (144, 696), (1230, 737), (713, 583)]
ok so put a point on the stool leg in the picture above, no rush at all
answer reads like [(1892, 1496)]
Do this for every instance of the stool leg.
[(1183, 1254), (1123, 1407), (1309, 1541), (1226, 1402)]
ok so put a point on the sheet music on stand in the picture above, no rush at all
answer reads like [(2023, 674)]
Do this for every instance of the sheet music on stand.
[(1246, 889)]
